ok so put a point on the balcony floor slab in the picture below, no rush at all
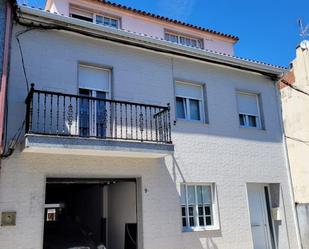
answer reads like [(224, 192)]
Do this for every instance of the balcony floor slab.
[(94, 146)]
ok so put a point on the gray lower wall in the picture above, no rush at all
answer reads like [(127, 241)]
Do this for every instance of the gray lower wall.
[(303, 219), (2, 30)]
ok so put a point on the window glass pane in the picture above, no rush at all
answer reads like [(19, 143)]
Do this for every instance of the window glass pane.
[(84, 112), (183, 211), (191, 211), (201, 221), (207, 210), (107, 21), (199, 190), (208, 221), (99, 19), (252, 121), (194, 43), (200, 210), (194, 110), (207, 195), (182, 40), (101, 114), (114, 23), (242, 119), (200, 44), (180, 108), (191, 194)]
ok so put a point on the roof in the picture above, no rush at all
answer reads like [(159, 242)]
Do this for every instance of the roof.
[(145, 41), (163, 18)]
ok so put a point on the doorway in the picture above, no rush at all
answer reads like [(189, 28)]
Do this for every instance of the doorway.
[(90, 214), (260, 216)]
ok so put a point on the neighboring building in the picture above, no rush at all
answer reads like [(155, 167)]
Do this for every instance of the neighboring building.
[(5, 38), (101, 158), (295, 104)]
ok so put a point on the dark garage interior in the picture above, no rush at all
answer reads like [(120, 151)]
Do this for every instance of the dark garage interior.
[(90, 214)]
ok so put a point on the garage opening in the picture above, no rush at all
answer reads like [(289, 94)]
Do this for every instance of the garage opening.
[(90, 214)]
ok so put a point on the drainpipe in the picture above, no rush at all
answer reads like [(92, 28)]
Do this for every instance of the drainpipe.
[(4, 77)]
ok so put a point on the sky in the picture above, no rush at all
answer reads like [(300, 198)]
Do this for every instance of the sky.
[(267, 29)]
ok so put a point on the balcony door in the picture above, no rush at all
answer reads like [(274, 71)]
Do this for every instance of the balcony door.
[(94, 87)]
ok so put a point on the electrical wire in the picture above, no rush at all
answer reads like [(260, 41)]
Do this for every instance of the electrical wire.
[(294, 87), (298, 140)]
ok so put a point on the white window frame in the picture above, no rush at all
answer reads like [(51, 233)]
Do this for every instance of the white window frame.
[(182, 36), (106, 16), (94, 16), (187, 103), (246, 115), (93, 93), (213, 206)]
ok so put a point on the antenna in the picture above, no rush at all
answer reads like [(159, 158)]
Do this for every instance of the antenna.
[(303, 30)]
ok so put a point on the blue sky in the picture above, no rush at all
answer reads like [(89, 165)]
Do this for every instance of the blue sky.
[(267, 29)]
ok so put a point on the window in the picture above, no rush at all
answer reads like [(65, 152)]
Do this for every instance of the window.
[(248, 110), (198, 206), (93, 82), (92, 17), (189, 101), (81, 14), (184, 40), (107, 21)]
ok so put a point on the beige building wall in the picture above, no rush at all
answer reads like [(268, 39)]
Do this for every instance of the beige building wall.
[(296, 121)]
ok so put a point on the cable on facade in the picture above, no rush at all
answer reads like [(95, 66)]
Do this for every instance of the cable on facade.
[(298, 140), (294, 87)]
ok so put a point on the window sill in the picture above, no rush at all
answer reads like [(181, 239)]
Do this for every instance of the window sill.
[(180, 120), (200, 229), (251, 128)]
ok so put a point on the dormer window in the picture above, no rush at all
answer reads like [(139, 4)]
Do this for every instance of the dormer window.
[(184, 40)]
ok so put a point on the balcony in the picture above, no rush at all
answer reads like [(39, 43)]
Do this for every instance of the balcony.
[(83, 125)]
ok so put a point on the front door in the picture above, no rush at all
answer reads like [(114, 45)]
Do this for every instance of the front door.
[(260, 226)]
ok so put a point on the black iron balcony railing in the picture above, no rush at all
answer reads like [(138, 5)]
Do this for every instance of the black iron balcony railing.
[(54, 113)]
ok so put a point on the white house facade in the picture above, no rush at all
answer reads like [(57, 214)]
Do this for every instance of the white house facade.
[(130, 140)]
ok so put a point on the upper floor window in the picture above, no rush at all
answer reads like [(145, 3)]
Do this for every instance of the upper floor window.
[(184, 40), (198, 206), (189, 101), (93, 17), (107, 21), (248, 110), (81, 14)]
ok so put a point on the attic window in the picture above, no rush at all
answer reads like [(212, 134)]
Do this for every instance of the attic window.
[(107, 21), (184, 40), (81, 15)]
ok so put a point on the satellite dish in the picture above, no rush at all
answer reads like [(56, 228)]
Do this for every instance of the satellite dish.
[(304, 44)]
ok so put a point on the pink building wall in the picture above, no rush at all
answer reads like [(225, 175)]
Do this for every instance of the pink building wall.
[(145, 25)]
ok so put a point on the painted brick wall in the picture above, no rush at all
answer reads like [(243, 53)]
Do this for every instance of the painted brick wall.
[(2, 30), (218, 152)]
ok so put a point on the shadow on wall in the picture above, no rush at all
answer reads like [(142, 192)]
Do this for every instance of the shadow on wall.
[(197, 240)]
